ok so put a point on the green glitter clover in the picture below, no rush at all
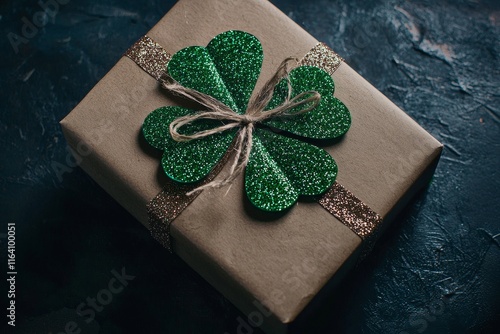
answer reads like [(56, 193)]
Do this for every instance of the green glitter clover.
[(279, 168)]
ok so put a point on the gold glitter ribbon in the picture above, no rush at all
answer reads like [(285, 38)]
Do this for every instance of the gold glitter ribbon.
[(350, 210), (150, 56), (173, 199), (323, 57)]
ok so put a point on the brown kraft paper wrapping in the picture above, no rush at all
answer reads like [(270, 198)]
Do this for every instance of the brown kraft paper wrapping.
[(281, 262)]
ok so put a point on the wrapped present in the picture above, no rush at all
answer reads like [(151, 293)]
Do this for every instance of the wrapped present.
[(269, 179)]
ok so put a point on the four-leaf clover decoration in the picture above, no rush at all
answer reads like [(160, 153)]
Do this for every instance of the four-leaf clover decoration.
[(280, 166)]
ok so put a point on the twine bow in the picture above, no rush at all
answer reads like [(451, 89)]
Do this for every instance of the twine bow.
[(254, 114)]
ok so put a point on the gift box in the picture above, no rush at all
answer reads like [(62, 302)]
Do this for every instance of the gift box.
[(274, 267)]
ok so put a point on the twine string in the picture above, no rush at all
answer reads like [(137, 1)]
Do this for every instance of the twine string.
[(255, 113)]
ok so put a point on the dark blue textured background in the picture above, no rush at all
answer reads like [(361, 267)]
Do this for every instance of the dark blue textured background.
[(436, 271)]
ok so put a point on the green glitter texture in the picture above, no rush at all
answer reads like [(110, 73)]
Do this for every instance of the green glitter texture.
[(329, 120), (280, 168), (190, 161)]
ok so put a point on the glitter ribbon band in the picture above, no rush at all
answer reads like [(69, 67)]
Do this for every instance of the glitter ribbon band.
[(150, 56), (173, 199), (350, 210), (323, 57)]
